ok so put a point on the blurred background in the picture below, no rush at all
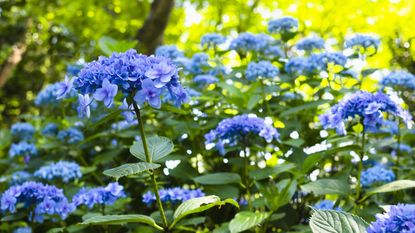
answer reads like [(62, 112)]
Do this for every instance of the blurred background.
[(39, 39)]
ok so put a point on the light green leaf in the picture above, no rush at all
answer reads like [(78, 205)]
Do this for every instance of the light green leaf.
[(253, 101), (245, 220), (158, 148), (197, 205), (218, 178), (121, 219), (327, 186), (330, 221), (392, 186), (130, 169), (109, 45), (267, 172)]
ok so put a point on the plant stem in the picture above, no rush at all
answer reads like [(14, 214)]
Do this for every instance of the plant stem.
[(246, 179), (148, 159), (265, 97), (360, 166)]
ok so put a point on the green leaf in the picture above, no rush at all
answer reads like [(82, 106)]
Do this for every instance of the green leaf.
[(109, 45), (330, 221), (301, 108), (130, 169), (219, 178), (253, 101), (392, 186), (158, 148), (121, 219), (110, 116), (368, 72), (327, 186), (197, 205), (267, 172), (245, 220)]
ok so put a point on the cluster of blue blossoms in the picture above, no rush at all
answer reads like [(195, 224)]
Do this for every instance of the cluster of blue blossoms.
[(326, 205), (315, 63), (198, 64), (168, 51), (23, 149), (23, 131), (362, 41), (310, 44), (70, 136), (399, 219), (50, 130), (399, 80), (248, 42), (211, 40), (204, 79), (20, 177), (62, 170), (369, 107), (375, 175), (283, 25), (172, 195), (23, 230), (145, 77), (48, 97), (99, 196), (235, 130), (44, 199), (261, 69)]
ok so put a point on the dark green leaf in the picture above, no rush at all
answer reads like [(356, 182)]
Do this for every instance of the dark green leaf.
[(219, 178), (130, 169), (330, 221), (158, 148)]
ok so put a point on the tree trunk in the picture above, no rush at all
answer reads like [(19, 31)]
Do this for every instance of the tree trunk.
[(11, 62), (151, 34)]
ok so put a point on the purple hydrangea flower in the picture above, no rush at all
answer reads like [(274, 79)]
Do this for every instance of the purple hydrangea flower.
[(84, 109), (44, 199), (172, 195), (368, 107), (235, 130), (106, 93), (64, 88), (99, 196), (148, 93), (399, 219)]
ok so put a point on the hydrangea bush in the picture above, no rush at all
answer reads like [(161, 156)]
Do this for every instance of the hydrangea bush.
[(272, 131)]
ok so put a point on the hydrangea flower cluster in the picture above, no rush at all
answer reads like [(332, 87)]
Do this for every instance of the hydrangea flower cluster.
[(283, 26), (50, 130), (168, 51), (326, 205), (198, 63), (20, 177), (23, 131), (399, 80), (376, 174), (47, 96), (234, 130), (70, 136), (205, 79), (399, 219), (62, 170), (173, 195), (99, 196), (298, 66), (261, 69), (24, 149), (45, 199), (211, 40), (320, 61), (272, 52), (310, 44), (248, 42), (23, 230), (362, 41), (145, 77), (367, 106)]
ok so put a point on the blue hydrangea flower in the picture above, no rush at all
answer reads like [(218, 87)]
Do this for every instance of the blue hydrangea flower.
[(261, 69), (298, 66), (62, 170), (127, 111), (205, 79), (168, 51), (272, 52), (399, 80), (20, 177), (319, 62), (64, 88), (367, 106), (24, 149), (284, 25), (99, 196), (50, 130), (235, 130), (198, 64), (248, 42), (362, 41), (173, 195), (74, 69), (70, 136), (310, 44), (44, 199), (84, 106), (376, 174), (211, 40), (326, 205), (106, 93), (23, 230), (22, 131), (127, 71), (47, 96), (399, 219)]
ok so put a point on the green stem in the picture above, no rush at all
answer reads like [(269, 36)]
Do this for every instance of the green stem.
[(246, 179), (148, 159), (360, 166), (398, 148), (265, 97)]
